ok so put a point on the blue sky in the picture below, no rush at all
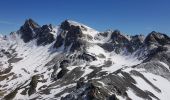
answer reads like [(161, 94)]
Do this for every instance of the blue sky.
[(129, 16)]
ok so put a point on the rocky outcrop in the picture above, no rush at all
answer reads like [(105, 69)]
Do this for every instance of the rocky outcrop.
[(89, 91), (31, 30), (119, 38), (155, 68), (33, 85), (157, 39), (44, 35), (120, 42), (136, 41), (65, 25), (28, 30), (63, 65), (70, 36)]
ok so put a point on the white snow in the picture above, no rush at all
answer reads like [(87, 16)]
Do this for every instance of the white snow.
[(34, 58), (101, 83), (164, 64), (121, 61), (95, 50), (160, 82)]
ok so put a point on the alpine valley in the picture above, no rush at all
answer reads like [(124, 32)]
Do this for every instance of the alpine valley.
[(72, 61)]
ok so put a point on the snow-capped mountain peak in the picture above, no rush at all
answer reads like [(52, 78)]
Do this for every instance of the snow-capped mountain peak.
[(75, 62)]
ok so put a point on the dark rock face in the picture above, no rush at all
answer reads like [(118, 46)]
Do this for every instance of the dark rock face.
[(53, 75), (156, 45), (62, 73), (65, 25), (73, 37), (157, 38), (28, 30), (70, 36), (63, 65), (70, 77), (136, 41), (119, 38), (44, 36), (156, 51), (89, 91), (31, 30), (120, 42), (105, 34), (11, 95), (33, 85), (119, 85), (92, 90), (107, 46), (60, 40), (87, 57), (161, 56), (80, 83), (155, 68)]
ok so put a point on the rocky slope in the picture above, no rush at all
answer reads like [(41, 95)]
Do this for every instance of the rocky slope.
[(75, 62)]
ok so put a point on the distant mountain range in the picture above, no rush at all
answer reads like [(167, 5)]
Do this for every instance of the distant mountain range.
[(72, 61)]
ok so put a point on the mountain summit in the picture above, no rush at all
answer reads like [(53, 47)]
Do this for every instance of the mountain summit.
[(75, 62), (28, 30)]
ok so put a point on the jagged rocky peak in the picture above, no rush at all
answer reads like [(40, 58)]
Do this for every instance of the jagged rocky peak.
[(115, 41), (45, 35), (69, 24), (120, 42), (117, 37), (139, 38), (31, 23), (72, 35), (31, 30), (157, 38), (137, 41), (28, 30), (65, 25), (47, 28)]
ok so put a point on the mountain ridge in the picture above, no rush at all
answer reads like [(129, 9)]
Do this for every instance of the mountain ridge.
[(75, 62)]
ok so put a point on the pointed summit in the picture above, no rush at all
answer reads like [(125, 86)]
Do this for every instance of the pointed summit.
[(71, 34), (117, 37), (65, 25), (28, 30), (157, 38), (68, 24), (31, 23)]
